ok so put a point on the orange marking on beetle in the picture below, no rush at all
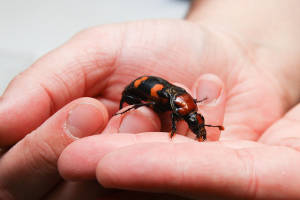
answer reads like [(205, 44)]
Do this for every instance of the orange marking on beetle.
[(139, 81), (155, 89)]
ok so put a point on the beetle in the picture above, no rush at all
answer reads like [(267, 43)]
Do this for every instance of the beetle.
[(162, 96)]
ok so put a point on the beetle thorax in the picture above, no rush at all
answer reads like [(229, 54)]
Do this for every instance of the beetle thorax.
[(185, 104)]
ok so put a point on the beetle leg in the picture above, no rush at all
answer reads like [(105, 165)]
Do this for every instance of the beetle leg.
[(201, 138), (121, 103), (173, 107), (173, 125), (174, 117), (135, 106), (132, 100)]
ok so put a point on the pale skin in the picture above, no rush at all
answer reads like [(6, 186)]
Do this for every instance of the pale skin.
[(242, 55)]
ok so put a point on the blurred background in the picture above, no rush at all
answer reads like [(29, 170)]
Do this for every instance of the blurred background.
[(31, 28)]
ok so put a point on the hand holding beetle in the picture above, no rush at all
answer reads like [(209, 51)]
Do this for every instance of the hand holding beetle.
[(251, 160)]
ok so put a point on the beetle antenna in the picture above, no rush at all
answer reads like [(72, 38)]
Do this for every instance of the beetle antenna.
[(221, 128), (201, 100)]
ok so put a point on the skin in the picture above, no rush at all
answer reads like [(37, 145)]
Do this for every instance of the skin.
[(244, 60)]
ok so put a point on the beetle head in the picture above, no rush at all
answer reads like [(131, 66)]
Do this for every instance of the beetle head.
[(196, 124)]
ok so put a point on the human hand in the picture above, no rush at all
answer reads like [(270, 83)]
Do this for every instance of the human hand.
[(100, 61), (266, 169), (50, 88), (252, 168)]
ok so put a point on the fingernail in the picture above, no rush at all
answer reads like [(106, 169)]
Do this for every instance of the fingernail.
[(84, 120), (210, 87), (140, 120)]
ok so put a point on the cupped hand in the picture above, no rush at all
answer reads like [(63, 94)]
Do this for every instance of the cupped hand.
[(266, 169), (97, 62), (234, 168), (246, 163), (100, 61), (152, 162)]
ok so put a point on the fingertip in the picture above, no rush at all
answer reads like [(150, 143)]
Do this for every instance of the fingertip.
[(211, 88), (79, 160), (105, 172), (142, 120), (66, 158), (87, 116), (73, 161), (135, 121)]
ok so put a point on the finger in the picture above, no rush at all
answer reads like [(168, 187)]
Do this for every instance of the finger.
[(211, 88), (203, 170), (78, 68), (135, 121), (87, 152), (286, 131), (28, 170)]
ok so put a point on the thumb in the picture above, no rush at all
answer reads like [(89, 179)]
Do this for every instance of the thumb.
[(28, 170), (69, 72)]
